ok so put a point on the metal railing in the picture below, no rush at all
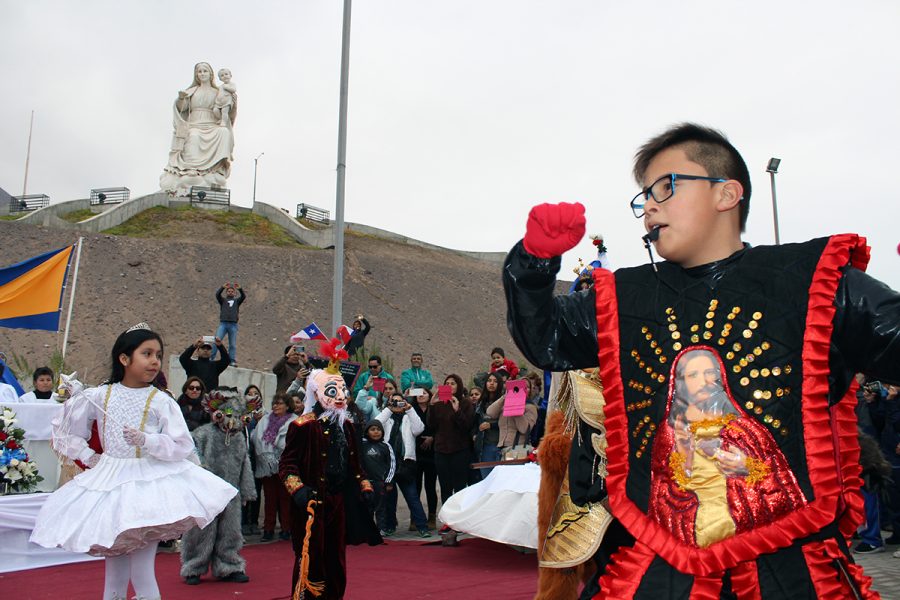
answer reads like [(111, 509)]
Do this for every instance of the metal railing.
[(313, 213), (207, 195), (28, 202), (114, 195)]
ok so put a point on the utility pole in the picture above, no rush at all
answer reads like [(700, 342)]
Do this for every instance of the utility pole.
[(28, 155), (338, 288), (255, 160)]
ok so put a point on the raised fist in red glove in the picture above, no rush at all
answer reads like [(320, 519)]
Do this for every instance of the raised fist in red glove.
[(554, 228)]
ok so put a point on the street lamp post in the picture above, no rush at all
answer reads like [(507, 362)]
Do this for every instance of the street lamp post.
[(338, 283), (771, 169), (255, 161)]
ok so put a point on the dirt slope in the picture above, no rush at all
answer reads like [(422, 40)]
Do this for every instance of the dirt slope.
[(447, 306)]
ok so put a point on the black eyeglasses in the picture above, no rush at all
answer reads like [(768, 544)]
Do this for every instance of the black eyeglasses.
[(664, 188), (373, 367), (194, 388)]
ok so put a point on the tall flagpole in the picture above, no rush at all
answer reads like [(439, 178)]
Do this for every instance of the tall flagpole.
[(28, 155), (72, 296), (338, 288)]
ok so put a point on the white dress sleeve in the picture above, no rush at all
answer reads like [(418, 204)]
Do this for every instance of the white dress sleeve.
[(171, 441), (72, 429)]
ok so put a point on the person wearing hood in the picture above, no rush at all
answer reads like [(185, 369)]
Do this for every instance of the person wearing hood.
[(380, 465)]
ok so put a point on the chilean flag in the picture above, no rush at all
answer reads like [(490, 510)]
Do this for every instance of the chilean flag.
[(310, 332), (345, 333)]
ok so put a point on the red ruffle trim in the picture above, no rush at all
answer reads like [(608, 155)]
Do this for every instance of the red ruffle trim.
[(625, 571), (828, 583), (745, 581), (821, 445)]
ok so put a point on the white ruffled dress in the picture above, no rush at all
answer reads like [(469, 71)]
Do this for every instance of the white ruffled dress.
[(133, 496)]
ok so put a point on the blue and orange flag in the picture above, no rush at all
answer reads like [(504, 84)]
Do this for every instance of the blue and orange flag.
[(31, 292)]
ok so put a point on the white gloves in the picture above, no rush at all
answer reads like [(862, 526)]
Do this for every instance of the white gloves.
[(93, 460), (134, 437), (69, 385)]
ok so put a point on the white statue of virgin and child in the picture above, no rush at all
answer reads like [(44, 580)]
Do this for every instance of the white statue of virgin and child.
[(203, 139)]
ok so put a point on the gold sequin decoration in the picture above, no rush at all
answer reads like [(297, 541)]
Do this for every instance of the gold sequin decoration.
[(729, 355), (758, 410), (757, 315), (654, 344), (707, 335), (754, 373), (784, 431), (779, 392), (752, 324), (776, 423), (737, 347), (709, 324), (743, 362), (767, 395), (766, 345), (749, 405), (787, 369), (736, 368), (745, 381), (736, 310), (695, 338), (776, 371), (758, 394), (747, 333), (648, 337), (767, 419), (710, 315), (764, 372), (676, 335), (658, 351), (676, 346), (695, 327), (670, 310), (673, 327), (644, 329), (757, 351), (661, 378), (721, 341), (663, 359)]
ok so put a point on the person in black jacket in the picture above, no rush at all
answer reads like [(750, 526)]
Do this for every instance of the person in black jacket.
[(190, 401), (228, 316), (379, 463), (202, 365), (787, 326), (358, 336)]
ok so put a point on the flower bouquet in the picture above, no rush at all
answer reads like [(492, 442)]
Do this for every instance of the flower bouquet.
[(17, 473)]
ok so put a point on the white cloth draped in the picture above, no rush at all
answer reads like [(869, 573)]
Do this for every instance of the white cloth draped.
[(503, 507)]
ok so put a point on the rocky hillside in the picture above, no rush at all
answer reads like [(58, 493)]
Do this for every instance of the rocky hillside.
[(449, 307)]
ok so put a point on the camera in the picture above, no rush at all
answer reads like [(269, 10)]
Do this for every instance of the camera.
[(209, 339), (396, 403), (873, 387)]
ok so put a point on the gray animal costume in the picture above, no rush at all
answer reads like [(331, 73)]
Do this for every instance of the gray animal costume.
[(222, 447)]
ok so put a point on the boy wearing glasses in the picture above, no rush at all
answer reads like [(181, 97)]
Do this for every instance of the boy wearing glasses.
[(754, 496)]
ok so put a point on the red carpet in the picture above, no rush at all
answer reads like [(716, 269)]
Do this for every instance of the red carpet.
[(399, 570)]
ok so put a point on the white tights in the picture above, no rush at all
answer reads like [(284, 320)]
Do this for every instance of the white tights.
[(137, 566)]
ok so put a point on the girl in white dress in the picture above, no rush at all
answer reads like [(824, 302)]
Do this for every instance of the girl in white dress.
[(143, 488)]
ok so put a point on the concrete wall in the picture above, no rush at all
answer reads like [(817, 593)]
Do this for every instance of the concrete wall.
[(231, 377), (396, 237), (122, 212), (319, 238)]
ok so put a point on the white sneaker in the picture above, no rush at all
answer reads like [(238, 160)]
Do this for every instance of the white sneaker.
[(896, 554)]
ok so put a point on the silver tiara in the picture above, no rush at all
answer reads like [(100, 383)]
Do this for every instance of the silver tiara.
[(140, 325)]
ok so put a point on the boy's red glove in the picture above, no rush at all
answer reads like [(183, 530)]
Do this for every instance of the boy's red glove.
[(554, 228)]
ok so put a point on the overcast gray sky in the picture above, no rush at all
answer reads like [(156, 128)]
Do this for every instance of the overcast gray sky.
[(465, 113)]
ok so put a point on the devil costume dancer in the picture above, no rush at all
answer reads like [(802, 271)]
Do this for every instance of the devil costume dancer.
[(321, 470), (733, 458)]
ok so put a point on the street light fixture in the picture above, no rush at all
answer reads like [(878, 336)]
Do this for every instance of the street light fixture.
[(255, 161), (771, 169)]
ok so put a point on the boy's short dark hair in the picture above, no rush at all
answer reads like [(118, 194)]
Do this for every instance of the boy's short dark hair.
[(376, 358), (41, 371), (498, 350), (705, 146)]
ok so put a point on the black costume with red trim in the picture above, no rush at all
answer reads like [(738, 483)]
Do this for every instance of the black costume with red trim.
[(789, 325)]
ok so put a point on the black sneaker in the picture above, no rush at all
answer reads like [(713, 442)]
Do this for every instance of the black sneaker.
[(268, 536), (424, 533), (864, 548), (237, 577), (284, 535), (192, 580), (893, 540)]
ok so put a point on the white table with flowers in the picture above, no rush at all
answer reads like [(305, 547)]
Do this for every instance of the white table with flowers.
[(18, 512)]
